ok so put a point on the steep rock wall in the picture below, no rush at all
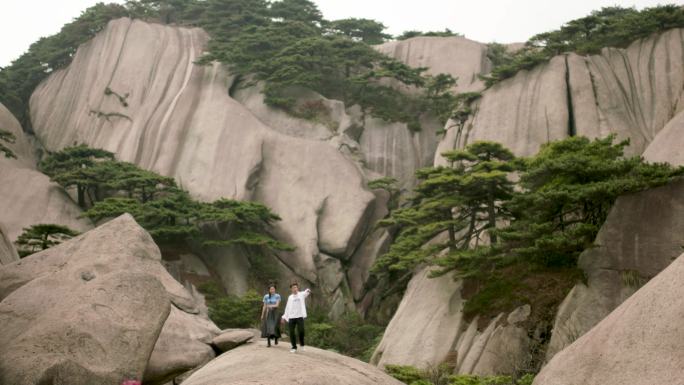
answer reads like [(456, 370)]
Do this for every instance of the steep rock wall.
[(429, 328), (179, 120), (642, 235), (28, 196), (457, 56), (632, 92), (639, 343)]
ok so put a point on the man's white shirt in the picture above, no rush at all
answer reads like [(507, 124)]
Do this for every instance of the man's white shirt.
[(296, 305)]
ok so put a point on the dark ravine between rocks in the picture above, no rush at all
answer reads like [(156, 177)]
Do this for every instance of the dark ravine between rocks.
[(102, 307)]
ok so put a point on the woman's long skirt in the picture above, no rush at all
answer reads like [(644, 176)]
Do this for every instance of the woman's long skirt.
[(270, 326)]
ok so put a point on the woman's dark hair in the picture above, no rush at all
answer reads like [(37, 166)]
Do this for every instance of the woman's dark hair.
[(271, 285)]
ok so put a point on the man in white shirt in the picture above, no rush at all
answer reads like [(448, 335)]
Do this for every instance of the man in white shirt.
[(295, 313)]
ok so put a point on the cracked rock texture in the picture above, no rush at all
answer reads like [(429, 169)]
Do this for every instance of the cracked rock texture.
[(632, 92), (27, 196), (179, 120), (642, 235), (97, 309), (429, 329), (640, 342)]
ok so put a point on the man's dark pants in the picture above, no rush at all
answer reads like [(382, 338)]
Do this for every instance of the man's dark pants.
[(299, 324)]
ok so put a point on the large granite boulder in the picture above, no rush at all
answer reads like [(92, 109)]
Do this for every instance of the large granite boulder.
[(97, 309), (28, 196), (256, 364), (183, 344), (639, 343), (643, 234), (87, 311), (425, 325), (179, 120), (632, 92)]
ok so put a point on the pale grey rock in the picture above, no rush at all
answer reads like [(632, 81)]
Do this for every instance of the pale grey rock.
[(230, 339), (193, 264), (253, 364), (519, 315), (322, 128), (632, 247), (330, 273), (521, 113), (632, 92), (507, 349), (61, 328), (180, 121), (8, 253), (467, 363), (457, 56), (374, 244), (28, 196), (183, 344), (426, 324), (668, 144), (640, 342), (391, 149)]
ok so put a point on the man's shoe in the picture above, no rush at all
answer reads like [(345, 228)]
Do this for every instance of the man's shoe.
[(293, 350)]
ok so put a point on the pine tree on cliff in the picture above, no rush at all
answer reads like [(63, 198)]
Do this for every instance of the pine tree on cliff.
[(567, 192), (74, 167), (463, 201), (41, 237)]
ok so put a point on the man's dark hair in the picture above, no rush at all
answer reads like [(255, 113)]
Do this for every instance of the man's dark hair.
[(294, 284)]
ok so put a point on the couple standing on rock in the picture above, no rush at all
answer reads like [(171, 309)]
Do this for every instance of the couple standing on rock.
[(294, 315)]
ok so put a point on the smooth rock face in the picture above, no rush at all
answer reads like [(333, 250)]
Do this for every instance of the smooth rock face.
[(457, 56), (180, 121), (639, 343), (7, 252), (425, 325), (28, 196), (183, 344), (428, 329), (642, 235), (72, 314), (229, 339), (668, 144), (632, 92), (256, 364), (391, 149), (522, 112)]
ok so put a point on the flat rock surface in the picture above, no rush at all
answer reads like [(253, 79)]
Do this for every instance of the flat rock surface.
[(257, 364)]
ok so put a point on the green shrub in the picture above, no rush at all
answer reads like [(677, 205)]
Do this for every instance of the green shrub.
[(232, 311), (440, 375), (349, 335)]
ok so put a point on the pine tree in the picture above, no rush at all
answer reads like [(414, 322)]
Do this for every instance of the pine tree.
[(463, 201), (74, 167), (41, 237), (7, 137)]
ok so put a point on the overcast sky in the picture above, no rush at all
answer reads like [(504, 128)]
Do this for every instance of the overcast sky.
[(24, 21)]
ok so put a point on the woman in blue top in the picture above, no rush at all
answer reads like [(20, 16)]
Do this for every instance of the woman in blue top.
[(270, 327)]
